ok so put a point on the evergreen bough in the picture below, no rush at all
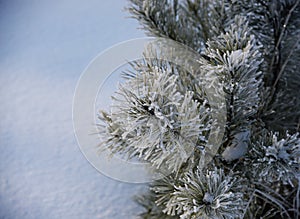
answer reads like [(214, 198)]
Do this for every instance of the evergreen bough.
[(161, 114)]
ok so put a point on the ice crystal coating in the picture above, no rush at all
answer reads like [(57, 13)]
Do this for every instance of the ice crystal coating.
[(202, 194), (277, 159), (157, 120), (161, 113)]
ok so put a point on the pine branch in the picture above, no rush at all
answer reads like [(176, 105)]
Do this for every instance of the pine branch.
[(234, 57), (202, 194), (278, 40), (191, 23), (279, 69), (161, 113), (147, 201), (283, 67), (280, 108), (158, 117)]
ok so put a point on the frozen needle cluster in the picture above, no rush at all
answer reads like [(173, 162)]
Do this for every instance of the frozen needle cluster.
[(161, 113)]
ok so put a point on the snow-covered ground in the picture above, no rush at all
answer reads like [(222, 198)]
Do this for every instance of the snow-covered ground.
[(44, 47)]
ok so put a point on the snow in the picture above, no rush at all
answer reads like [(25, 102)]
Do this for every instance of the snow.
[(45, 46)]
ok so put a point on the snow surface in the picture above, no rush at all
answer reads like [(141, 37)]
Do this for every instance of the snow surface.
[(44, 47)]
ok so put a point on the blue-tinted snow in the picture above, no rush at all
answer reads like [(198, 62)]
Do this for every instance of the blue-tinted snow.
[(44, 47)]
